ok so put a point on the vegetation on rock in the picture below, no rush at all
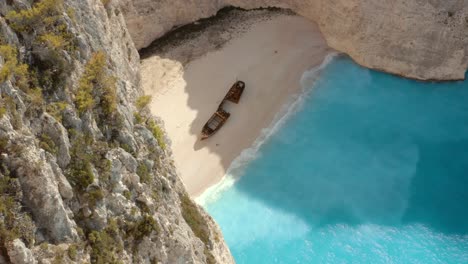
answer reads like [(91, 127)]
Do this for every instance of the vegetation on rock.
[(44, 13), (157, 133), (197, 223), (38, 75), (143, 227), (143, 172), (56, 109), (2, 111), (48, 144), (142, 102), (80, 172), (106, 244), (13, 68), (15, 222), (96, 83)]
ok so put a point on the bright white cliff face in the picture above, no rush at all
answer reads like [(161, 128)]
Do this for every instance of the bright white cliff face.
[(417, 39)]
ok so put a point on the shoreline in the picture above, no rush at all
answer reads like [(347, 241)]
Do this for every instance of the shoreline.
[(187, 82), (291, 107)]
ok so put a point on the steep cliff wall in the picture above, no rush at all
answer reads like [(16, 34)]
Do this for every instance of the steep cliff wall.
[(421, 39), (85, 171)]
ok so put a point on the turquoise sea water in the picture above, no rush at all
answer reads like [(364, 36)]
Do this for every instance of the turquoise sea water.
[(372, 168)]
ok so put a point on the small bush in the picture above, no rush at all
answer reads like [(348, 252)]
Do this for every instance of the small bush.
[(71, 14), (143, 172), (138, 118), (3, 145), (43, 14), (2, 111), (109, 95), (15, 223), (84, 98), (105, 2), (105, 246), (36, 98), (53, 41), (9, 54), (21, 73), (127, 148), (12, 67), (96, 82), (94, 196), (194, 219), (94, 70), (44, 246), (72, 252), (127, 194), (59, 258), (80, 173), (143, 227), (45, 25), (48, 144), (56, 110), (197, 223), (157, 133), (142, 102)]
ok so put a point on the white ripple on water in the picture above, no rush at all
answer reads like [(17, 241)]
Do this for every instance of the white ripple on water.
[(289, 108)]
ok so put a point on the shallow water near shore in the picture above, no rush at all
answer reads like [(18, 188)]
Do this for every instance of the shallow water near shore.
[(371, 168)]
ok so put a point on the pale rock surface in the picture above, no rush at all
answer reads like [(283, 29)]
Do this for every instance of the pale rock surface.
[(421, 39), (20, 254), (41, 192), (52, 211)]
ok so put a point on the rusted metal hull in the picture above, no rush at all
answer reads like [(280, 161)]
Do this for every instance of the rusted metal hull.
[(220, 117)]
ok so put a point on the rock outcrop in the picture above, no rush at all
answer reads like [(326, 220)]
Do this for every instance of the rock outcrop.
[(421, 39), (86, 173)]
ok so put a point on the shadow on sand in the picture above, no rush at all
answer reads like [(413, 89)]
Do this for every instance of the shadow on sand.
[(318, 191)]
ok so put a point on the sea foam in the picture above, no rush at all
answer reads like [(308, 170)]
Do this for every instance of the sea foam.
[(287, 110), (365, 167)]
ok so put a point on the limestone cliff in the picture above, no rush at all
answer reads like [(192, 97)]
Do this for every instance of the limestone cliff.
[(85, 171), (421, 39)]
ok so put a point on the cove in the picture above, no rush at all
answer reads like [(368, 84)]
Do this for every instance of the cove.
[(371, 168)]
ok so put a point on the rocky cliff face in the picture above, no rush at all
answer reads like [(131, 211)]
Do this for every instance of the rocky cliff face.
[(421, 39), (85, 170)]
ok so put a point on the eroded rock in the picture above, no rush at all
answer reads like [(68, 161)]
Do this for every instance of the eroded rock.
[(417, 39)]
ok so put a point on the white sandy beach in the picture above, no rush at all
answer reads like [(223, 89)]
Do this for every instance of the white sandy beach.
[(270, 56)]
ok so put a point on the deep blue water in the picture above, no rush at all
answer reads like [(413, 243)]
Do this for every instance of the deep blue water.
[(371, 169)]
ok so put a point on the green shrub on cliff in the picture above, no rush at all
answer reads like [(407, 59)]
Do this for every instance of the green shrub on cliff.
[(143, 227), (22, 77), (2, 111), (157, 133), (11, 67), (142, 102), (143, 172), (197, 223), (95, 81), (80, 172), (42, 14), (72, 252), (15, 223), (106, 244), (8, 53), (45, 25), (139, 118), (53, 41), (194, 219), (47, 144), (94, 196), (55, 109)]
